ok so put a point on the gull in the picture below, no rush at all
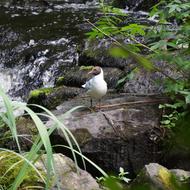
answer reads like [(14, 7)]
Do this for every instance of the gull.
[(96, 87)]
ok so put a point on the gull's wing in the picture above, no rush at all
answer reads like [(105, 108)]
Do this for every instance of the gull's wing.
[(88, 85)]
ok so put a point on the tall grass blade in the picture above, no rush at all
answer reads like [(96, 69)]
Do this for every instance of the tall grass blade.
[(10, 119), (65, 131), (46, 142)]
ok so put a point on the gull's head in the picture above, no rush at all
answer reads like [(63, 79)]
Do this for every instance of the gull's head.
[(95, 71)]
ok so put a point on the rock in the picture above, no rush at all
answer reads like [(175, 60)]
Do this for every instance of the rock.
[(144, 82), (77, 76), (143, 5), (68, 177), (51, 97), (158, 177), (181, 174), (122, 132), (96, 53), (66, 173), (27, 131)]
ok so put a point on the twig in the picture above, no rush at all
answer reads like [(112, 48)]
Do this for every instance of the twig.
[(133, 103)]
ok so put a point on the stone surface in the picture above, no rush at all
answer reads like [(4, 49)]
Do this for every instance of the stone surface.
[(181, 174), (52, 98), (68, 177), (158, 177), (145, 82), (124, 133), (26, 130), (144, 5), (76, 76)]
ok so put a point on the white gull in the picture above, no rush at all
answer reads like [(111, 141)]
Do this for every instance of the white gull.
[(96, 87)]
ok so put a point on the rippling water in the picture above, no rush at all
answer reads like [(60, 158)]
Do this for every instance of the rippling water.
[(38, 43)]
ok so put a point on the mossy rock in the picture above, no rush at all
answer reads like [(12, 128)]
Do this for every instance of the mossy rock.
[(77, 76), (86, 67), (10, 166), (40, 92), (156, 177), (51, 98), (60, 81)]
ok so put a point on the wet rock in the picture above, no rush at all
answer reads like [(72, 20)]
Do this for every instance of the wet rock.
[(124, 133), (29, 2), (144, 5), (158, 177), (77, 76), (96, 53), (144, 82), (68, 177), (51, 97)]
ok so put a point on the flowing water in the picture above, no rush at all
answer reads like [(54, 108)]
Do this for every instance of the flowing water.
[(38, 42)]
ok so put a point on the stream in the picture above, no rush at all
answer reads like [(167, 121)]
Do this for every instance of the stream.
[(38, 42)]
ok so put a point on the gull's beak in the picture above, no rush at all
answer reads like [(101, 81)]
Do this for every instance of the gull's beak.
[(91, 72)]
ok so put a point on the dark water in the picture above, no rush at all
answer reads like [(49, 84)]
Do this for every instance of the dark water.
[(37, 43)]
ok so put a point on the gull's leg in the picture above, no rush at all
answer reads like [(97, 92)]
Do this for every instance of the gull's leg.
[(99, 103), (91, 102)]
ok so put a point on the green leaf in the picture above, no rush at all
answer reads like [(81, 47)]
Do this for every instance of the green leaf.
[(165, 122), (118, 52), (187, 99)]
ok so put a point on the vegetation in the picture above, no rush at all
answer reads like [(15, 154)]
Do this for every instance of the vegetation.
[(166, 44), (18, 167), (165, 49), (41, 91)]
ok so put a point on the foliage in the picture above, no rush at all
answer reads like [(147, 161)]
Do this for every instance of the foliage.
[(40, 91), (170, 114), (114, 182), (41, 141), (18, 170), (10, 166), (166, 42)]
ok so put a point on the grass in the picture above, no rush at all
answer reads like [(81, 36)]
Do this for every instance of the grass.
[(25, 161)]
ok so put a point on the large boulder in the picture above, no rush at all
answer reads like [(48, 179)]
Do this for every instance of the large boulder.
[(124, 133)]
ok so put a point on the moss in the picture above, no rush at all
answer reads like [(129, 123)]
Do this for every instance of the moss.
[(60, 81), (165, 176), (40, 91), (86, 67), (10, 165)]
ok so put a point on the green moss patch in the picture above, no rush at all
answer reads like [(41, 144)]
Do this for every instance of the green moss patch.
[(40, 91), (10, 165), (60, 81), (86, 67)]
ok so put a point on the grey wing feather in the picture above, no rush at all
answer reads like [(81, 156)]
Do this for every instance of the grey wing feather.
[(88, 84)]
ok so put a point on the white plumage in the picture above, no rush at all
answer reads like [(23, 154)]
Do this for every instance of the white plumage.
[(96, 87)]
